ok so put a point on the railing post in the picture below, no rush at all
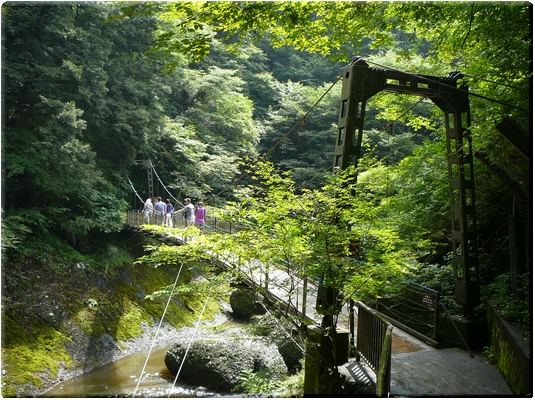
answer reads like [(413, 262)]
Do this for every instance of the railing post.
[(383, 372), (352, 348), (374, 345), (304, 304), (436, 316)]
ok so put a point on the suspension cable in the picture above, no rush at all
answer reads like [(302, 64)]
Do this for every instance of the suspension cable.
[(369, 139), (190, 341), (503, 103), (134, 189), (157, 330), (478, 78), (165, 188), (303, 118), (300, 121)]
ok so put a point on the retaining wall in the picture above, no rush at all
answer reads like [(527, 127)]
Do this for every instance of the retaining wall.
[(512, 352)]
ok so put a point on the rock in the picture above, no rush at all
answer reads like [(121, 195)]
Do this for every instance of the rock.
[(244, 302), (288, 341), (216, 359), (291, 353)]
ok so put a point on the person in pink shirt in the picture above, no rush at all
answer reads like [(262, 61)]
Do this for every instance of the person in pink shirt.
[(200, 215)]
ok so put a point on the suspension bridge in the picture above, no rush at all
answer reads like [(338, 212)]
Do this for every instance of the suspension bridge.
[(359, 84), (135, 217), (400, 320)]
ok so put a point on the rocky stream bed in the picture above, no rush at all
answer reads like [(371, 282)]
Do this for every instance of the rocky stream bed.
[(94, 353)]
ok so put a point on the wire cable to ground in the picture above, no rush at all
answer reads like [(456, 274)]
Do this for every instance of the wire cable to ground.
[(190, 341), (283, 330), (157, 330)]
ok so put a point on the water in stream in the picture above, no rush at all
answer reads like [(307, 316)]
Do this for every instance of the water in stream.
[(120, 379)]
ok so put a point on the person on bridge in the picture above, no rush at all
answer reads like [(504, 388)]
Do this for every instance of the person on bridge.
[(159, 210), (200, 215), (168, 215), (147, 210), (189, 210)]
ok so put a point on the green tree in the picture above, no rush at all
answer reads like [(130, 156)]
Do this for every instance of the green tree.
[(419, 201), (209, 127), (63, 122), (329, 233), (299, 131)]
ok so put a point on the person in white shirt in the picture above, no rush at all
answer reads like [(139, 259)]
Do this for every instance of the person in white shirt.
[(147, 210), (189, 209)]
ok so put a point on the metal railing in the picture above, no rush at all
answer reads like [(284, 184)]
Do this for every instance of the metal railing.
[(415, 309), (374, 346), (212, 224)]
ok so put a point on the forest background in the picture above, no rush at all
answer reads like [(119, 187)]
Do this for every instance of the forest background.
[(204, 89)]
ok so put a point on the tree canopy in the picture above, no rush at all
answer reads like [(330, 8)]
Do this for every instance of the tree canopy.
[(203, 88), (236, 105)]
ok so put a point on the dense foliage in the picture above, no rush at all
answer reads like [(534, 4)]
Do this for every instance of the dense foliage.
[(206, 89), (195, 87)]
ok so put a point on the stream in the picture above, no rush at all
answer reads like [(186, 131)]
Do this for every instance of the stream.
[(120, 379)]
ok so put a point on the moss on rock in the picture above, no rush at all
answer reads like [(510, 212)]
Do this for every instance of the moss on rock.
[(41, 317), (29, 353)]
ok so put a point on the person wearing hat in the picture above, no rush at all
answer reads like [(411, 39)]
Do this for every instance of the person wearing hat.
[(189, 210)]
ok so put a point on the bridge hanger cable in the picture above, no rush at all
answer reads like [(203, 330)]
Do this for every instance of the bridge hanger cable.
[(190, 341), (298, 123), (503, 103), (157, 330), (165, 188)]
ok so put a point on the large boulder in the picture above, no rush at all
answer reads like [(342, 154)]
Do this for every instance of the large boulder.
[(216, 359), (245, 302)]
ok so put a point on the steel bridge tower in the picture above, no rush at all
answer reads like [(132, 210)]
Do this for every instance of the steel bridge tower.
[(148, 165), (361, 82)]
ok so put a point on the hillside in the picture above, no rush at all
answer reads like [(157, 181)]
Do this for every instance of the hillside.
[(57, 322)]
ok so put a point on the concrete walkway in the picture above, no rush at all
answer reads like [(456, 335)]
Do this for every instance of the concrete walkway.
[(419, 370)]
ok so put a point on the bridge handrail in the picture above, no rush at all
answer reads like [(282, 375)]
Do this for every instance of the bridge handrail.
[(423, 302), (136, 218), (374, 346)]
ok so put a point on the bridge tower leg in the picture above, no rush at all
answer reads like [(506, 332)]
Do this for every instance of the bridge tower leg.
[(148, 165), (357, 88), (150, 182), (360, 83), (462, 201)]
